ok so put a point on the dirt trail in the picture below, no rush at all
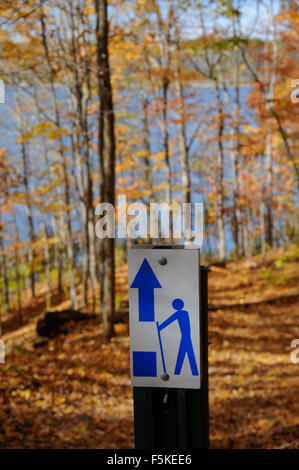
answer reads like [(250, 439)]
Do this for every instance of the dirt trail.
[(75, 391)]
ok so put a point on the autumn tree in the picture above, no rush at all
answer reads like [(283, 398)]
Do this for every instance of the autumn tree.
[(106, 149)]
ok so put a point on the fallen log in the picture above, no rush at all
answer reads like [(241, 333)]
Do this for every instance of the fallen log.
[(54, 323)]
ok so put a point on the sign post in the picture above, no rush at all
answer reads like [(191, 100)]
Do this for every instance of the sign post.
[(169, 346)]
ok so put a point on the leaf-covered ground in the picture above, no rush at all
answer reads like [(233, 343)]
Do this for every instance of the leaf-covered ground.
[(74, 392)]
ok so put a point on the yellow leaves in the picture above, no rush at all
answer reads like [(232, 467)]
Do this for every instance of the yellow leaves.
[(25, 394), (263, 424), (59, 399), (47, 128), (104, 377), (160, 187), (88, 10), (2, 152), (93, 108), (61, 356), (80, 371), (158, 159), (57, 132), (81, 430), (69, 409), (141, 153), (43, 404), (125, 164), (224, 394)]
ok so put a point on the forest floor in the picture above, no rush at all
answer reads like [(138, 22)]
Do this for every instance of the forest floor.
[(75, 392)]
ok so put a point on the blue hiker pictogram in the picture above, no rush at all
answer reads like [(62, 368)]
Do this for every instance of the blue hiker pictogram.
[(145, 362), (182, 316)]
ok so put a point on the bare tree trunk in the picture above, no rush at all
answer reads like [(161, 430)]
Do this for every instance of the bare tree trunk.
[(210, 74), (219, 177), (47, 264), (247, 236), (107, 162), (168, 189), (262, 229), (81, 91), (91, 216), (84, 238), (28, 208), (70, 248), (235, 148), (183, 147), (85, 254), (146, 141), (269, 183), (31, 252), (17, 268), (92, 255), (270, 92), (165, 85), (4, 273), (236, 161)]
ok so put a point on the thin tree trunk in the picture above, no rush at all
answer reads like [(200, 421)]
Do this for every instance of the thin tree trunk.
[(106, 148), (146, 141), (236, 161), (84, 238), (183, 147), (31, 252), (82, 94), (165, 85), (28, 208), (17, 271), (4, 274), (247, 237), (269, 184), (268, 92), (47, 264), (262, 229), (70, 249), (219, 177)]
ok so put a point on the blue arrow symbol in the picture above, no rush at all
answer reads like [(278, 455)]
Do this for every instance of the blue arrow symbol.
[(146, 281)]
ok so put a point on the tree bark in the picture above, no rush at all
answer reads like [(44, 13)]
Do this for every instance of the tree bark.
[(106, 148), (236, 154), (146, 141), (28, 207), (219, 177), (262, 229), (70, 248), (4, 273), (17, 271), (31, 252), (183, 146), (165, 86)]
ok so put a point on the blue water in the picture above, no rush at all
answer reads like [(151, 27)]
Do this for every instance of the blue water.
[(199, 101)]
